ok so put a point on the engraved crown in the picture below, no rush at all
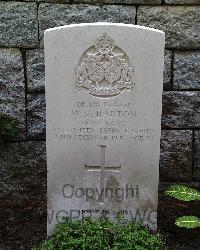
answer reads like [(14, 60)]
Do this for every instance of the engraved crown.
[(104, 69), (104, 44)]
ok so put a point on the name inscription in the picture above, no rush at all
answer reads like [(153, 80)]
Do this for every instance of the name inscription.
[(103, 121)]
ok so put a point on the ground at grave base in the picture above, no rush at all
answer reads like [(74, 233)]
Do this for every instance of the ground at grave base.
[(171, 244)]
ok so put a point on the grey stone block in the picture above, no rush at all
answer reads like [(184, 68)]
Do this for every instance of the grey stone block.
[(12, 87), (18, 24), (36, 124), (197, 155), (120, 1), (182, 1), (48, 1), (52, 15), (55, 1), (176, 155), (167, 84), (181, 24), (187, 70), (181, 109), (35, 70)]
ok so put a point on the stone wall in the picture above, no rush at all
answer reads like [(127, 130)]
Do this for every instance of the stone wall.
[(23, 162)]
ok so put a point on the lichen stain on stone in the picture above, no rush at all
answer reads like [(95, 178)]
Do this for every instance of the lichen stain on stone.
[(111, 187), (148, 205), (112, 182)]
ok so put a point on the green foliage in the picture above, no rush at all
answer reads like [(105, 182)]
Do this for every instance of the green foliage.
[(188, 222), (8, 128), (102, 234), (185, 194)]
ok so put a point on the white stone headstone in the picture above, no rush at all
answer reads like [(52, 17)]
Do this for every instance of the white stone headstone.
[(103, 94)]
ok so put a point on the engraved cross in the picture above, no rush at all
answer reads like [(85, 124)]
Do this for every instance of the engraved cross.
[(103, 168)]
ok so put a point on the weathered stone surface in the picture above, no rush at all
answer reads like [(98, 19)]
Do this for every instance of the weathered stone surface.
[(176, 155), (48, 1), (181, 109), (169, 209), (120, 1), (197, 155), (187, 70), (99, 95), (18, 24), (22, 194), (12, 87), (182, 1), (52, 15), (181, 24), (35, 70), (167, 70), (36, 125), (55, 1)]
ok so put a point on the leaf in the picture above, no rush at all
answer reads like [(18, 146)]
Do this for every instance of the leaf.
[(188, 221), (183, 193)]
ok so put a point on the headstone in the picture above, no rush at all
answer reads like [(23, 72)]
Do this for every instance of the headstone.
[(103, 93)]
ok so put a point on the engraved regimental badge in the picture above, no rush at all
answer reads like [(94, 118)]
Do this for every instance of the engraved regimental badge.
[(104, 69)]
